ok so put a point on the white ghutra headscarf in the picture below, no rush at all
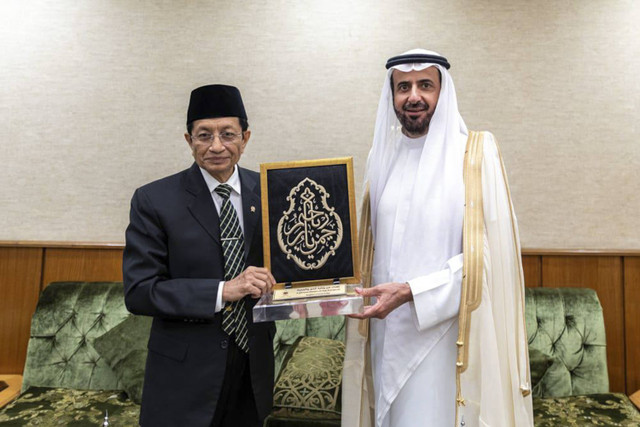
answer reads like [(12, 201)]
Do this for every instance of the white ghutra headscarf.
[(434, 220)]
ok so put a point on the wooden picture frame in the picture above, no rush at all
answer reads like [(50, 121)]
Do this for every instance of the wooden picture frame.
[(309, 222)]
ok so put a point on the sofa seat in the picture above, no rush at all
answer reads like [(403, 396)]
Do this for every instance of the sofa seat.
[(601, 409), (42, 406)]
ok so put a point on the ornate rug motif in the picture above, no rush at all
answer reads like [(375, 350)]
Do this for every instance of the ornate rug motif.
[(312, 377)]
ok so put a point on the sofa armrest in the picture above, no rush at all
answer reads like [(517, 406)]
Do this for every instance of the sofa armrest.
[(635, 398), (12, 390)]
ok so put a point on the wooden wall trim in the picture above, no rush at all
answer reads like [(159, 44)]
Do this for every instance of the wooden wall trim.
[(120, 245), (581, 252), (54, 244)]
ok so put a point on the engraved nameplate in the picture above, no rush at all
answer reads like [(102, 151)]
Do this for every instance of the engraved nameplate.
[(309, 292)]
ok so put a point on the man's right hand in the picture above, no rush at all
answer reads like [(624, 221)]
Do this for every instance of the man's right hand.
[(254, 281)]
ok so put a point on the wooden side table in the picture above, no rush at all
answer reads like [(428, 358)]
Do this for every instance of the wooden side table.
[(14, 383)]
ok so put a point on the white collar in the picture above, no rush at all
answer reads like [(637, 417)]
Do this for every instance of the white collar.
[(233, 181)]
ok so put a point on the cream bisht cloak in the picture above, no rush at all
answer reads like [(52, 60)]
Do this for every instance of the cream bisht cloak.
[(492, 369)]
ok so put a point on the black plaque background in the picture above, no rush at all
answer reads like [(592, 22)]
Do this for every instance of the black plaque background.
[(279, 184)]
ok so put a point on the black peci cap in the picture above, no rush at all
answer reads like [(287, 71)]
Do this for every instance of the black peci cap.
[(215, 101)]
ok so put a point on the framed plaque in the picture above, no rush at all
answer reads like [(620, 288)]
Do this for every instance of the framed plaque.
[(310, 239)]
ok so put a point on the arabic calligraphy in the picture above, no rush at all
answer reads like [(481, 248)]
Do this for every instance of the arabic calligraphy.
[(310, 231)]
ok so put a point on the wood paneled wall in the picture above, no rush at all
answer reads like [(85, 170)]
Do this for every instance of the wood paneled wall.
[(20, 275), (631, 276), (25, 268)]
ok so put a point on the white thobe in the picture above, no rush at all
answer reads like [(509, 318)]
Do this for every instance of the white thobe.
[(414, 389)]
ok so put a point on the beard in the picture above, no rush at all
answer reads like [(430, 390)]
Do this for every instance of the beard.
[(411, 125)]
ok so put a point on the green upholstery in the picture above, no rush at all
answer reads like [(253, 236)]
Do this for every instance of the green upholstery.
[(308, 389), (41, 406), (68, 316), (539, 364), (83, 339), (124, 348), (566, 325), (289, 331), (600, 409)]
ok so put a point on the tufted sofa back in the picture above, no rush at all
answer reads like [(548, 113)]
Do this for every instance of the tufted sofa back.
[(565, 328), (68, 316)]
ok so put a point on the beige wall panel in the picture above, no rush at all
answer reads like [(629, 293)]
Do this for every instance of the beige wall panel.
[(20, 271), (94, 96), (604, 275)]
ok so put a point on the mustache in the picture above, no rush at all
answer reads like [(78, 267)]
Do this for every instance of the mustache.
[(414, 106)]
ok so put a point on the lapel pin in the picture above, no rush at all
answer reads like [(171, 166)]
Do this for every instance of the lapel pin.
[(253, 208)]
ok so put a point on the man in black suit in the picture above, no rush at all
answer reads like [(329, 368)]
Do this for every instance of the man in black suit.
[(192, 262)]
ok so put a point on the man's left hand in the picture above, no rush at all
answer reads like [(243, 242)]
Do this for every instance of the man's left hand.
[(389, 297)]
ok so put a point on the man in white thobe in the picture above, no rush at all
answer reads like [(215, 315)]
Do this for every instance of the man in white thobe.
[(440, 350)]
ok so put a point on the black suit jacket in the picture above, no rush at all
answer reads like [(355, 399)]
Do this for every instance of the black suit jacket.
[(172, 266)]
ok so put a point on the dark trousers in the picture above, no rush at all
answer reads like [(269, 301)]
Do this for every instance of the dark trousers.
[(236, 406)]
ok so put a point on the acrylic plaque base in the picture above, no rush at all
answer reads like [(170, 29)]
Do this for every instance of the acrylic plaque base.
[(266, 310)]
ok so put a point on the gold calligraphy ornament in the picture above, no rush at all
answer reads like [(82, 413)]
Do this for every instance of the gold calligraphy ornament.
[(310, 231)]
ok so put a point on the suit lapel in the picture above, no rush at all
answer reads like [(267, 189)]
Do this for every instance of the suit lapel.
[(202, 207), (250, 207)]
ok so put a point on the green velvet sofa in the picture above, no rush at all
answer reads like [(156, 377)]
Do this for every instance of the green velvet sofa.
[(86, 357)]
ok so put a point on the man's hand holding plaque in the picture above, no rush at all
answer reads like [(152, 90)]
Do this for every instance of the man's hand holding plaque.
[(254, 281)]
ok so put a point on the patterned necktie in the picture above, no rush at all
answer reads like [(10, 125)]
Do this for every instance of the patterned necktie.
[(234, 319)]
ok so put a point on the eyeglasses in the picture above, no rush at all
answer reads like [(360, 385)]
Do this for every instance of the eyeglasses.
[(208, 138)]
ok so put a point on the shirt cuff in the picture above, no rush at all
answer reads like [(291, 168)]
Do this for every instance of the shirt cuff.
[(431, 281), (219, 302), (436, 296)]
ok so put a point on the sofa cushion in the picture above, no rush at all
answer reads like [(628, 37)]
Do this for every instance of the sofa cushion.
[(555, 382), (308, 389), (40, 406), (538, 363), (288, 331), (124, 348), (603, 409), (566, 324), (68, 316)]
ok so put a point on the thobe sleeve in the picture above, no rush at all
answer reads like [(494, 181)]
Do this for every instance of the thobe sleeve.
[(436, 296)]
